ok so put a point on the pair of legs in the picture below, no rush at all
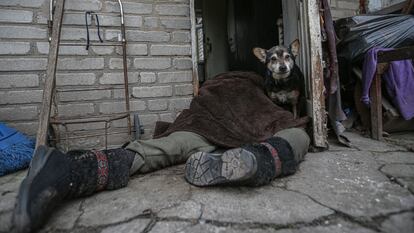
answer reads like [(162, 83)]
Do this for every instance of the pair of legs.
[(54, 176), (208, 168)]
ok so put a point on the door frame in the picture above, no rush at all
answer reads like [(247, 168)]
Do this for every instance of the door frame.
[(309, 32)]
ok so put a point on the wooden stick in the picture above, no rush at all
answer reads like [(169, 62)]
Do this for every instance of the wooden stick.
[(376, 103), (50, 75), (194, 52)]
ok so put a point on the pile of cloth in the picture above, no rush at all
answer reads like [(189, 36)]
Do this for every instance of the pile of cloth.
[(232, 110)]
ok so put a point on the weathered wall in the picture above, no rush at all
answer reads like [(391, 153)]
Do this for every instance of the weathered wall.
[(374, 5), (344, 8), (159, 61)]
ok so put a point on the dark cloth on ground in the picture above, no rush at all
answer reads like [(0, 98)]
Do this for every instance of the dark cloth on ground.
[(232, 110)]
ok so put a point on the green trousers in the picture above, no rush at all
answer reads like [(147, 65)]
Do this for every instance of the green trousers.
[(155, 154)]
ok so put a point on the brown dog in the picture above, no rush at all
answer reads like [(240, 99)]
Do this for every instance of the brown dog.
[(284, 81)]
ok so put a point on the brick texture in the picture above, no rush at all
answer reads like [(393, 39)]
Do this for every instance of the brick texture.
[(343, 8), (91, 82)]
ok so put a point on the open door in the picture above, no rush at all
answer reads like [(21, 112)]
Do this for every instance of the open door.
[(233, 27), (214, 15), (303, 21)]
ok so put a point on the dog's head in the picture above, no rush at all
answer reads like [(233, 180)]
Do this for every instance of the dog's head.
[(279, 60)]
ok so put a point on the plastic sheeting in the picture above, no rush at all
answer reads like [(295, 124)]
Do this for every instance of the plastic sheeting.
[(365, 32)]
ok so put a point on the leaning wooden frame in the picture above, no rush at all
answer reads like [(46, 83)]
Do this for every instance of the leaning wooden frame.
[(48, 130)]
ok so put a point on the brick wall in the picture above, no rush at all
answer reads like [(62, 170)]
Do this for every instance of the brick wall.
[(374, 5), (159, 62), (344, 8)]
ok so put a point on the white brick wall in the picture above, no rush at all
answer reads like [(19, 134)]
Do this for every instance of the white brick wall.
[(344, 8), (159, 63)]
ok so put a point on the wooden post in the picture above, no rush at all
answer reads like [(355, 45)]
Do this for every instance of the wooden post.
[(50, 75), (376, 103), (194, 51), (317, 85)]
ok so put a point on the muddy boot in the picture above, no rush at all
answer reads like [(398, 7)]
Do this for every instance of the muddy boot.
[(54, 176), (250, 165)]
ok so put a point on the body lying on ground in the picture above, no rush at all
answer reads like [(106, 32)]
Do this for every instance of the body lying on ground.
[(261, 141)]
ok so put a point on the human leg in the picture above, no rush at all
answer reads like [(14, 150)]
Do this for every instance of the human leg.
[(253, 165), (54, 176), (155, 154)]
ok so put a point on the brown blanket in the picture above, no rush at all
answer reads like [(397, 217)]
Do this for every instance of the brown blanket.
[(231, 110)]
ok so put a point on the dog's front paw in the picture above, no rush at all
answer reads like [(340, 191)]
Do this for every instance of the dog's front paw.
[(281, 97)]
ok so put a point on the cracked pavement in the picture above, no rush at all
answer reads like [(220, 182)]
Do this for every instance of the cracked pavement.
[(369, 188)]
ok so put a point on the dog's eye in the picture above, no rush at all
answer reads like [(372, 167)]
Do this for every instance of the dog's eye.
[(287, 56), (273, 58)]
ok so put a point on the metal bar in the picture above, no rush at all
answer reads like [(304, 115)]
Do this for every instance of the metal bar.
[(104, 14), (90, 89), (121, 8), (106, 135), (66, 137), (50, 21), (125, 66), (95, 135), (90, 120), (91, 44), (50, 75), (96, 116)]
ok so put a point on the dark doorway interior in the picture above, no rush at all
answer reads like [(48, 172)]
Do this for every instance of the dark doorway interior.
[(230, 29)]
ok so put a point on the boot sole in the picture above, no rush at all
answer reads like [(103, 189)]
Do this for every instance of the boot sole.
[(206, 169), (21, 219)]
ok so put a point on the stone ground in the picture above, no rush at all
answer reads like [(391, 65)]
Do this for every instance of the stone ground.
[(364, 189)]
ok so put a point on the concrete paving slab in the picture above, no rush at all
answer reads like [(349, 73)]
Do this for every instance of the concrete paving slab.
[(407, 182), (399, 170), (186, 227), (11, 177), (399, 223), (134, 226), (167, 227), (153, 192), (5, 221), (368, 144), (405, 139), (185, 210), (350, 182), (345, 180), (395, 157), (342, 227), (335, 146), (257, 205), (65, 217), (9, 186), (207, 228)]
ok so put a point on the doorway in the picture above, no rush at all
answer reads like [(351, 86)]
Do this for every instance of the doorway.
[(228, 30), (223, 33)]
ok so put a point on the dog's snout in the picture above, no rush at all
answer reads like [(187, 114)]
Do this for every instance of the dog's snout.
[(283, 68)]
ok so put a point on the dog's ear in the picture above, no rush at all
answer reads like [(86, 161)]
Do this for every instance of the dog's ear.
[(260, 54), (294, 47)]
